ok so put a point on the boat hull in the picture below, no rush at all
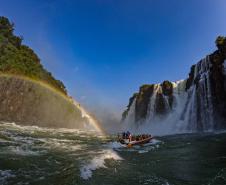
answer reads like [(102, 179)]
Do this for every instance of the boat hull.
[(140, 142)]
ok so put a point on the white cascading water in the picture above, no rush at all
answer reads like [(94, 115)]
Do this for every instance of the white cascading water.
[(159, 125), (199, 107), (129, 121), (169, 122), (191, 110), (151, 106)]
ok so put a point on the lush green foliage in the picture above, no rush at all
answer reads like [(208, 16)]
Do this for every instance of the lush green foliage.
[(19, 59), (220, 41)]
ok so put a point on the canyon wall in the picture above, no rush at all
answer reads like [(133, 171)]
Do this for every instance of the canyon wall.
[(30, 102), (195, 104)]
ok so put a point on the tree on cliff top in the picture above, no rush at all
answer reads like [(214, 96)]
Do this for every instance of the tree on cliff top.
[(221, 44), (19, 59)]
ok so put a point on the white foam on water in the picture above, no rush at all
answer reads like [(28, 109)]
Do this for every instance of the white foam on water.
[(31, 129), (115, 145), (219, 131), (24, 151), (97, 162), (5, 175), (153, 142), (69, 145), (152, 145), (27, 145), (154, 180), (142, 151)]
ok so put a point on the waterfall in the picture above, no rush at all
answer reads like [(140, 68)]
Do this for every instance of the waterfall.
[(151, 107), (189, 107), (199, 107), (129, 121)]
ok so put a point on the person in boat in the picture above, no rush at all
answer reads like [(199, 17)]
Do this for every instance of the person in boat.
[(128, 134), (123, 135), (130, 137)]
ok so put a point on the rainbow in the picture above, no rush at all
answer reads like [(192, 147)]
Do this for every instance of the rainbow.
[(92, 121)]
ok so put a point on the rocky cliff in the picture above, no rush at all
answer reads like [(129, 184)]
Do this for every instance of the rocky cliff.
[(29, 94), (195, 104), (19, 59), (30, 102)]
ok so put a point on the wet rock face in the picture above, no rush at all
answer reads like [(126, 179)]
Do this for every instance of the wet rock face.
[(167, 90), (29, 103), (142, 101), (125, 113), (218, 79), (160, 106), (190, 77), (204, 105), (214, 87), (159, 95)]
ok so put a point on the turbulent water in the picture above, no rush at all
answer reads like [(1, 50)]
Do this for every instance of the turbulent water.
[(33, 155)]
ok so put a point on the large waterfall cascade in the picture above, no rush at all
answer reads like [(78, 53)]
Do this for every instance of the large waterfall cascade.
[(192, 107), (198, 112)]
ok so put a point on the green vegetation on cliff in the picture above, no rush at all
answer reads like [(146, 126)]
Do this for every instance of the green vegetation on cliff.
[(19, 59)]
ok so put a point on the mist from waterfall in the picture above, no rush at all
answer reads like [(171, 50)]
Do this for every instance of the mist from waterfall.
[(90, 122), (192, 108), (160, 124)]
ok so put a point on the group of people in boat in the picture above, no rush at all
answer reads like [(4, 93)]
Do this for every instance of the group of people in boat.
[(128, 136)]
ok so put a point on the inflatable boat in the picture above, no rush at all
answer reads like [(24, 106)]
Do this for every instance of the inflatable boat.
[(130, 140)]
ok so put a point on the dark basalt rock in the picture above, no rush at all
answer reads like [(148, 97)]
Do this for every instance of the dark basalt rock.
[(218, 88), (218, 80), (190, 78), (167, 90), (160, 104), (125, 113), (142, 101), (207, 79), (217, 85), (28, 102)]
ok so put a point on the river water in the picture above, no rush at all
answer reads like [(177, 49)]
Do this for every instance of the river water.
[(32, 156)]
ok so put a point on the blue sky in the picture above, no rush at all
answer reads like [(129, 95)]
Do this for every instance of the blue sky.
[(103, 50)]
